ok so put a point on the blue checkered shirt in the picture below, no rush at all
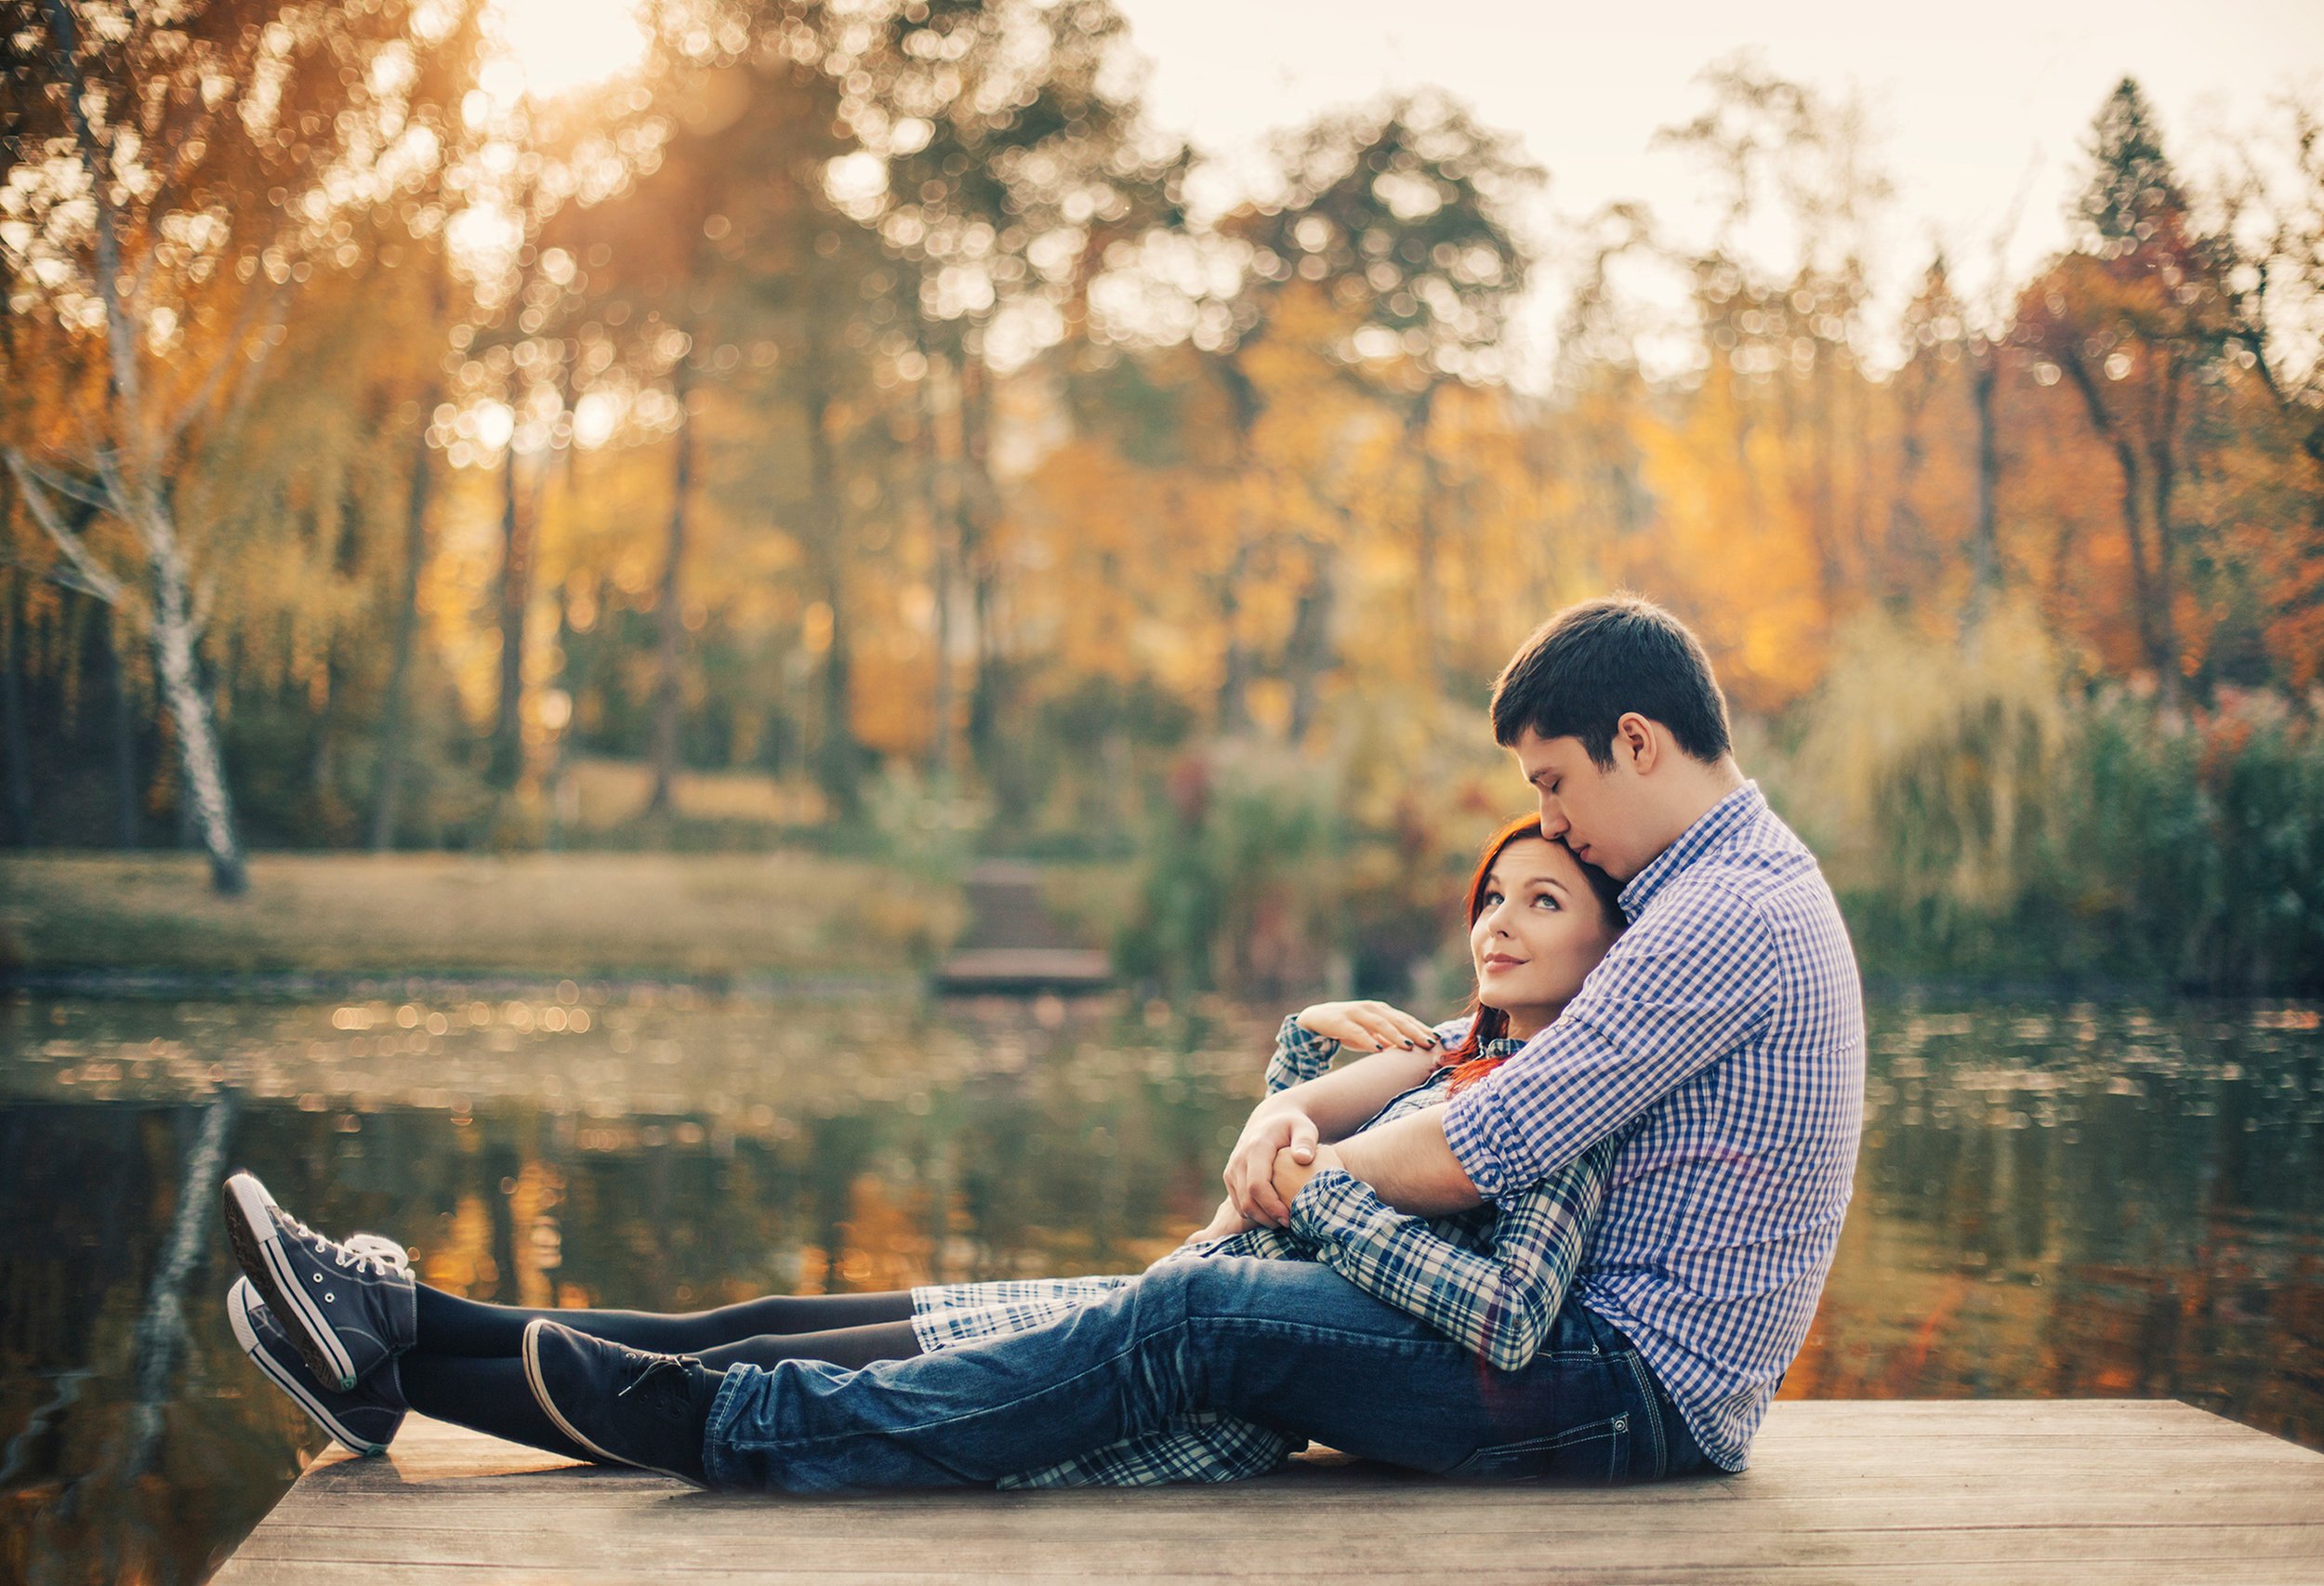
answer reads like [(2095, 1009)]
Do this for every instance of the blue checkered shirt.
[(1721, 1044), (1491, 1277)]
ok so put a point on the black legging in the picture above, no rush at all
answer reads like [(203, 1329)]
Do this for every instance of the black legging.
[(465, 1368)]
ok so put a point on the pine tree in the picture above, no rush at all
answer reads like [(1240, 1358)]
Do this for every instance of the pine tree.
[(2134, 197)]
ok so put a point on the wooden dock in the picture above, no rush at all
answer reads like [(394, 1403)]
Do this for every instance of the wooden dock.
[(2121, 1492), (1015, 946)]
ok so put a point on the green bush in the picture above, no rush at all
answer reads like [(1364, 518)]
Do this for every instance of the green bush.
[(1236, 872), (1982, 817), (2193, 845)]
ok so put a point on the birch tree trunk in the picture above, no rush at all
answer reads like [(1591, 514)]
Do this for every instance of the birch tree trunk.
[(173, 111), (178, 670)]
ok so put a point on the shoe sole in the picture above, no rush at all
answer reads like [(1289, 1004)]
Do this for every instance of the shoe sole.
[(548, 1407), (258, 1250), (238, 1306)]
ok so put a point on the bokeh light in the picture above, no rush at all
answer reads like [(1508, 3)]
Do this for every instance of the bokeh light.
[(563, 44)]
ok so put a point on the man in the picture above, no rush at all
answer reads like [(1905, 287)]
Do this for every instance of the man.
[(1722, 1040)]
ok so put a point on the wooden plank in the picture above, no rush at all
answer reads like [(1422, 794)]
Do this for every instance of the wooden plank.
[(1954, 1418), (2217, 1473), (2283, 1506), (1094, 1551), (1025, 969), (1498, 1573), (1793, 1427), (2118, 1492)]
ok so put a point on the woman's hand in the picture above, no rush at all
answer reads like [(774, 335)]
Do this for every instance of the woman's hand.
[(1367, 1026), (1224, 1225), (1291, 1174)]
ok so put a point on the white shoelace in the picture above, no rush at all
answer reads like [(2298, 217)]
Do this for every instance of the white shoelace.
[(378, 1250), (359, 1252)]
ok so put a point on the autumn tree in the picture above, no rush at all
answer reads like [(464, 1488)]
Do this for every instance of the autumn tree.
[(2275, 311), (2136, 319), (174, 177), (1781, 292), (1387, 263), (1001, 159), (703, 280)]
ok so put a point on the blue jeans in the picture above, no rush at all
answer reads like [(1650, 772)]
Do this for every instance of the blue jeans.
[(1291, 1345)]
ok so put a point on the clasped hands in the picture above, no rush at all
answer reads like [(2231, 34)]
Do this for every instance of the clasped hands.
[(1270, 1165), (1280, 1148)]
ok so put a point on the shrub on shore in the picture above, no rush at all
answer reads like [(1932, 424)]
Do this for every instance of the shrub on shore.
[(1982, 817)]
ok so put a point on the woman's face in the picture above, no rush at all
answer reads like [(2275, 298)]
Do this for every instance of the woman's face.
[(1538, 931)]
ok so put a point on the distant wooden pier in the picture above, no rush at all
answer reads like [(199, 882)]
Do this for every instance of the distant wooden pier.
[(2115, 1492), (1013, 946)]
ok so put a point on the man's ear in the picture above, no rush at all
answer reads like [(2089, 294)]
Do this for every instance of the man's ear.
[(1634, 736)]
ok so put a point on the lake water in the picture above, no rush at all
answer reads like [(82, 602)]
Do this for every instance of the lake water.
[(2054, 1199)]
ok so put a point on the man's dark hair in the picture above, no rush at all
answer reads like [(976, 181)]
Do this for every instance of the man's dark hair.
[(1591, 663)]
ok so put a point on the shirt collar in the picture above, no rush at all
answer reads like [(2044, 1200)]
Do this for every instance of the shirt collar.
[(1711, 828), (1508, 1046)]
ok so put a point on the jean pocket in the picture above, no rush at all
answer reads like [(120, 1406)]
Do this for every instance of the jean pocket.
[(1595, 1451)]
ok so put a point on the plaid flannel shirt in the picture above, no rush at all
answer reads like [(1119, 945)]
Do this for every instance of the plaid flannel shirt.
[(1491, 1277), (1722, 1043)]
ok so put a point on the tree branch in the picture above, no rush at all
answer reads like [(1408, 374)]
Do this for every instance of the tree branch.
[(59, 573), (276, 301), (91, 573), (65, 484), (97, 159), (192, 132)]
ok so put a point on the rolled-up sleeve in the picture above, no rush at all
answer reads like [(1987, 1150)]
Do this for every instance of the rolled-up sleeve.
[(1686, 984), (1301, 1054)]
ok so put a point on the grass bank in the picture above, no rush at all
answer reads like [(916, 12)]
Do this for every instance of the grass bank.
[(700, 917)]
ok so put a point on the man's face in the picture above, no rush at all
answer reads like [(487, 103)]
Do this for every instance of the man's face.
[(1599, 814)]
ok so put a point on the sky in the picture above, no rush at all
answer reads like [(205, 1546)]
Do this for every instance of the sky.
[(1979, 110), (1972, 104)]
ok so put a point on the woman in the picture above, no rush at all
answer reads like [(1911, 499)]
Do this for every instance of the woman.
[(1492, 1277)]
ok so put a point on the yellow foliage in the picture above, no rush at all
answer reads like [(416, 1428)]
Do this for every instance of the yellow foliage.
[(1934, 749)]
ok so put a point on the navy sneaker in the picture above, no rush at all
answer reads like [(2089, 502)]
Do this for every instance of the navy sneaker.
[(626, 1405), (365, 1420), (347, 1308)]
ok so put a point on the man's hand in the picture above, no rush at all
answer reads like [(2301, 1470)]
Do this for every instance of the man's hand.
[(1291, 1173), (1251, 1168)]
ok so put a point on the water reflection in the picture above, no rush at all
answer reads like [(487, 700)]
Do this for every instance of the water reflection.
[(2051, 1201), (2087, 1203)]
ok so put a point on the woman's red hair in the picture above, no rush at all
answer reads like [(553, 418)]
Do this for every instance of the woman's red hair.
[(1492, 1023)]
